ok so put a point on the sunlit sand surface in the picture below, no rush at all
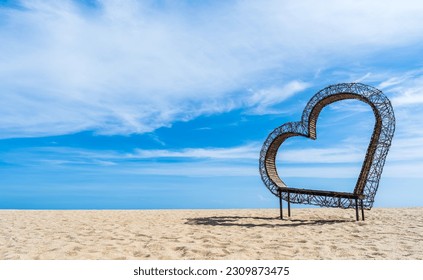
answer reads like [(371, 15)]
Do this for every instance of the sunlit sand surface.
[(212, 234)]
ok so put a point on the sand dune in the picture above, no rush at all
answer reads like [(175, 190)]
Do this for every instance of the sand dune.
[(211, 234)]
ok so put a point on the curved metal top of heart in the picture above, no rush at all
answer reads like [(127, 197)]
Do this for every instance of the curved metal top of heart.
[(368, 180)]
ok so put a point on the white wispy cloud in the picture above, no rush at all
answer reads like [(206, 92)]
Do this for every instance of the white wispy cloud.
[(190, 169), (405, 90), (242, 152), (323, 155), (131, 67), (264, 99), (408, 90), (341, 161)]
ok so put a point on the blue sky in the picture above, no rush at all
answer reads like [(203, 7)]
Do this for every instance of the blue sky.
[(165, 104)]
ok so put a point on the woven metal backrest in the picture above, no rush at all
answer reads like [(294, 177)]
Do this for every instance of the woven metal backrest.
[(368, 180)]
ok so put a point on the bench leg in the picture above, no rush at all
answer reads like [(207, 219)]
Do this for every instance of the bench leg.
[(356, 209), (362, 209), (280, 204), (289, 205)]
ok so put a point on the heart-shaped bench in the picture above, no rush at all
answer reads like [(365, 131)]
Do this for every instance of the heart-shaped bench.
[(368, 180)]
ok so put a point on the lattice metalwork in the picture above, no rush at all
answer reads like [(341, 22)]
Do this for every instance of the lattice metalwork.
[(368, 180)]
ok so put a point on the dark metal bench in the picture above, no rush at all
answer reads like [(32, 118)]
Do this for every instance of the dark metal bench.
[(368, 180), (321, 193)]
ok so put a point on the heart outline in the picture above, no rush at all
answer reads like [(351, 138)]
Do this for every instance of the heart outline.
[(380, 142)]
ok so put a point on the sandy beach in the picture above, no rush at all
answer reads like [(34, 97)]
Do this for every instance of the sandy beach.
[(211, 234)]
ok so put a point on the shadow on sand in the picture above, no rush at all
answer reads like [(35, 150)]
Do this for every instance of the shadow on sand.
[(239, 221)]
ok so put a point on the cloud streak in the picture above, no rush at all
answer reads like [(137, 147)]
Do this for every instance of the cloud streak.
[(340, 161)]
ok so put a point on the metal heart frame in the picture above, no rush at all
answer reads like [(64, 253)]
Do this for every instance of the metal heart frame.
[(368, 180)]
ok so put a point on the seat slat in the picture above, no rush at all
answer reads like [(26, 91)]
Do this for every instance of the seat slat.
[(321, 193)]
